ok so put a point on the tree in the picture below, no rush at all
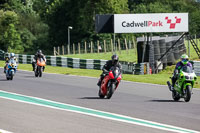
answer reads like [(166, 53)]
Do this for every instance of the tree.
[(81, 16), (9, 37)]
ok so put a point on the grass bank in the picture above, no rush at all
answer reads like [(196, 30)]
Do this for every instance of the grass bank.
[(160, 78), (130, 56)]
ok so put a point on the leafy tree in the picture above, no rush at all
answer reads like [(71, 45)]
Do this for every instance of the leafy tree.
[(9, 37), (81, 16)]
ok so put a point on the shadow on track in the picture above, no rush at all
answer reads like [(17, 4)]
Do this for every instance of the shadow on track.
[(29, 76), (3, 80), (91, 98), (163, 101)]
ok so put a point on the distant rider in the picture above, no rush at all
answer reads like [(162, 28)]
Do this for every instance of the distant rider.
[(37, 56), (108, 65), (184, 61), (12, 56)]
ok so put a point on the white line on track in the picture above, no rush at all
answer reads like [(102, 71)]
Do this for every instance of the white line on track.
[(4, 131), (88, 111)]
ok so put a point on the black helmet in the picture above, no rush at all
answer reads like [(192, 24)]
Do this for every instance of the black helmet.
[(39, 52), (115, 59)]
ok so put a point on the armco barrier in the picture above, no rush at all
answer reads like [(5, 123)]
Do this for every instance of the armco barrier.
[(197, 67), (127, 67)]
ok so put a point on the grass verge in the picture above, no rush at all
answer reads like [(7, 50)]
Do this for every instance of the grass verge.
[(160, 78)]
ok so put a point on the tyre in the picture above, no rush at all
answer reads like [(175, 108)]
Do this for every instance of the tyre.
[(40, 71), (111, 91), (175, 96), (7, 78), (100, 94), (11, 77), (187, 93), (36, 72)]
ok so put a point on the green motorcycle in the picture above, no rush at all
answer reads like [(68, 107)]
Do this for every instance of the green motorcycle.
[(184, 84)]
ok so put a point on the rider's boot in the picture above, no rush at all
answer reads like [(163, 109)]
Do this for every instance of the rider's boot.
[(99, 82), (4, 69)]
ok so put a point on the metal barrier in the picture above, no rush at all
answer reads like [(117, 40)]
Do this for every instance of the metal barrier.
[(127, 67), (196, 66)]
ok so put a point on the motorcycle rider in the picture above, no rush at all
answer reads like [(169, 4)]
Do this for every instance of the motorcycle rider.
[(108, 65), (12, 56), (38, 55), (184, 61)]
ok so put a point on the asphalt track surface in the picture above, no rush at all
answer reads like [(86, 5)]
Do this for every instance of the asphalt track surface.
[(144, 101)]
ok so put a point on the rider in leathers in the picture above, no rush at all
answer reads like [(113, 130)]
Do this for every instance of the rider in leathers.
[(38, 55), (179, 65), (108, 65)]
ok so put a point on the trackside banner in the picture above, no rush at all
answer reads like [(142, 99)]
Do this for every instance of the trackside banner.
[(155, 22)]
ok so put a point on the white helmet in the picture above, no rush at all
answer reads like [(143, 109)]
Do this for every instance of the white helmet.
[(12, 55)]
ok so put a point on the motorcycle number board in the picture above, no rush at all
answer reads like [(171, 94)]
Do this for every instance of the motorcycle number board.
[(154, 22)]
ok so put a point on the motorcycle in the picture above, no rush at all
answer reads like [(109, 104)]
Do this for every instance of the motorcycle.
[(39, 67), (184, 84), (11, 69), (110, 83)]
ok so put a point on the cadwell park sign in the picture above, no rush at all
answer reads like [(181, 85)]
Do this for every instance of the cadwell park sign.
[(142, 23), (157, 22)]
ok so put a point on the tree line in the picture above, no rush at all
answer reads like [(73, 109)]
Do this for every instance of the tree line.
[(28, 25)]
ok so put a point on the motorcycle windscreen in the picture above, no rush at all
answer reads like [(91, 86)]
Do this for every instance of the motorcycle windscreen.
[(116, 72), (187, 69)]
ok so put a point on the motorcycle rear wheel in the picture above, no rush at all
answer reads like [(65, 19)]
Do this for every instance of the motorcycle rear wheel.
[(187, 93)]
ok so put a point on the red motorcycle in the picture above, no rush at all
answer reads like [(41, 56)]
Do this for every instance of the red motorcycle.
[(110, 82)]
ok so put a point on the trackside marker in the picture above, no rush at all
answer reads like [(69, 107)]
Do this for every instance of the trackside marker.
[(91, 112)]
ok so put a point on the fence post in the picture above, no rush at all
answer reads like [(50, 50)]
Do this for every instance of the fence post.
[(63, 52), (73, 49), (119, 47), (104, 43), (85, 47), (79, 48), (126, 46), (111, 45), (54, 51), (91, 47), (134, 45), (58, 50)]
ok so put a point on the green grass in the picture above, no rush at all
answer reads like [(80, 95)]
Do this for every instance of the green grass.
[(131, 56), (193, 54), (160, 78)]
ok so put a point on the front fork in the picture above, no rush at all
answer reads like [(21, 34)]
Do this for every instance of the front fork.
[(111, 84), (184, 88)]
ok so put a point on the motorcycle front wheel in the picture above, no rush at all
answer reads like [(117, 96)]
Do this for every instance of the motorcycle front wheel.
[(188, 93), (175, 96), (100, 94), (111, 90), (36, 73), (40, 71)]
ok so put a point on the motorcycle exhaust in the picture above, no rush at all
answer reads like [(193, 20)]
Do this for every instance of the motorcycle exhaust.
[(169, 85)]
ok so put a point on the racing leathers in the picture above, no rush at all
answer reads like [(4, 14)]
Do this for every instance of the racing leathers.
[(106, 69), (178, 67)]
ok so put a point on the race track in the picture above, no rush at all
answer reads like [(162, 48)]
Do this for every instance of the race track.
[(136, 100)]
